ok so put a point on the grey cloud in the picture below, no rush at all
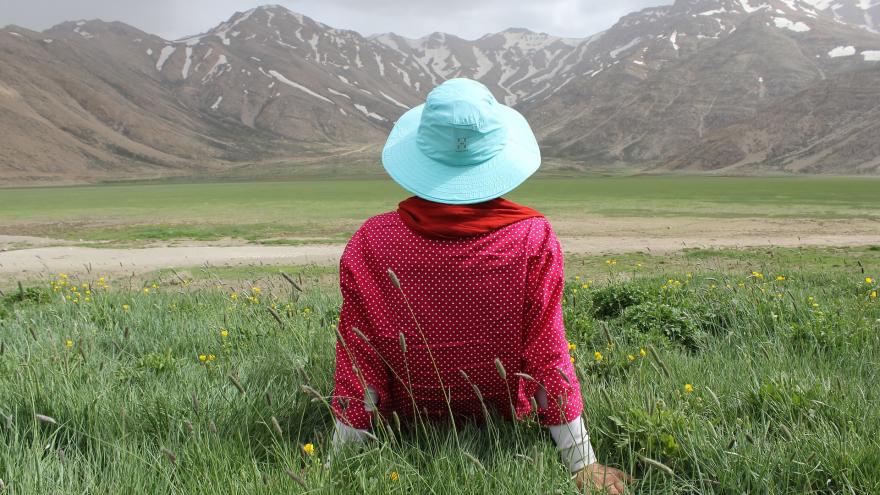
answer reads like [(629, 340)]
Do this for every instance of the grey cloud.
[(413, 18)]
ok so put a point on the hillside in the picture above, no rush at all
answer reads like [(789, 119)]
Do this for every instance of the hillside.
[(684, 87)]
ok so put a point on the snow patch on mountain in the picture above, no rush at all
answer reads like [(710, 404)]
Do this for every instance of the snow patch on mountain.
[(392, 100), (749, 9), (218, 68), (842, 51), (284, 80), (223, 30), (783, 23), (188, 63), (368, 113), (164, 55), (617, 51), (338, 93)]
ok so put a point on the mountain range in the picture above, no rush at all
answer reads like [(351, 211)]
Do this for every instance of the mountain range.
[(725, 86)]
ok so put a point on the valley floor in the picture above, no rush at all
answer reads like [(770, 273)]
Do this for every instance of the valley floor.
[(33, 263)]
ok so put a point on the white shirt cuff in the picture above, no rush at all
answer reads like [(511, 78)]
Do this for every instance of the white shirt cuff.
[(573, 444)]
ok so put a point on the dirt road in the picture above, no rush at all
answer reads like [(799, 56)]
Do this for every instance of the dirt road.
[(39, 262)]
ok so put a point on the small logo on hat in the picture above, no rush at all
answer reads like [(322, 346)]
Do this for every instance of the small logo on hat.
[(462, 144)]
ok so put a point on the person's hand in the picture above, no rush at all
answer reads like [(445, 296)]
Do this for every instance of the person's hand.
[(602, 479)]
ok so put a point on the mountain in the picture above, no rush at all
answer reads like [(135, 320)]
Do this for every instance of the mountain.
[(835, 121), (666, 77), (670, 88)]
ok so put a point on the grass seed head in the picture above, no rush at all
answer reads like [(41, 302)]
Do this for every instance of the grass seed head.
[(45, 419), (564, 375), (308, 390), (526, 377), (237, 384), (402, 338), (172, 457), (360, 334), (474, 460), (296, 478), (277, 426), (500, 367), (394, 280), (656, 464), (396, 420)]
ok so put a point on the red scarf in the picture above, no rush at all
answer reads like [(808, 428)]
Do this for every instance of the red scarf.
[(445, 221)]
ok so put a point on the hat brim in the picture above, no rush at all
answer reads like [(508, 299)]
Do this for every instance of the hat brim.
[(454, 184)]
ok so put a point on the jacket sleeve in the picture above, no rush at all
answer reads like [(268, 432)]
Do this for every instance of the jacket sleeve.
[(358, 364), (545, 354)]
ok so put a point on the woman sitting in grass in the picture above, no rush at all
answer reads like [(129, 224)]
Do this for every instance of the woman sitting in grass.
[(453, 303)]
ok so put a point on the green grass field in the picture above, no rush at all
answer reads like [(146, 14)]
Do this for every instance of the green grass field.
[(330, 210), (781, 347)]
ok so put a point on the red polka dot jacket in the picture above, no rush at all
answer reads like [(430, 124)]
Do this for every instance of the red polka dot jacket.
[(462, 304)]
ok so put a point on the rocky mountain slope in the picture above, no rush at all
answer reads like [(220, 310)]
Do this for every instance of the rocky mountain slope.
[(673, 87)]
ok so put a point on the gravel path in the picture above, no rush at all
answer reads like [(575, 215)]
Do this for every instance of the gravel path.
[(41, 261)]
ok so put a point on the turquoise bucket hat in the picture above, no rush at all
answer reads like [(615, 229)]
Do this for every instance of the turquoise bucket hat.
[(461, 146)]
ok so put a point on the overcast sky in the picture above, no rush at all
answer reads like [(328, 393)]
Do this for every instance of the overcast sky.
[(173, 19)]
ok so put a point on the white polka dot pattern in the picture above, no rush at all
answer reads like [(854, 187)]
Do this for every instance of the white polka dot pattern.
[(475, 300)]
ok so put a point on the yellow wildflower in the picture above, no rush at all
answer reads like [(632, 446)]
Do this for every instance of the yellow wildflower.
[(688, 388), (234, 296), (780, 278), (571, 346), (873, 295), (585, 286), (255, 290), (203, 358), (599, 357), (869, 280), (631, 358), (643, 352), (309, 449), (758, 275), (224, 333), (63, 276), (394, 476), (571, 358), (146, 290), (211, 357), (68, 343), (126, 307), (155, 286)]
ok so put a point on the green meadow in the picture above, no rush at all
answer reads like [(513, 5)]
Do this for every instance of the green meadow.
[(704, 371), (330, 210)]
